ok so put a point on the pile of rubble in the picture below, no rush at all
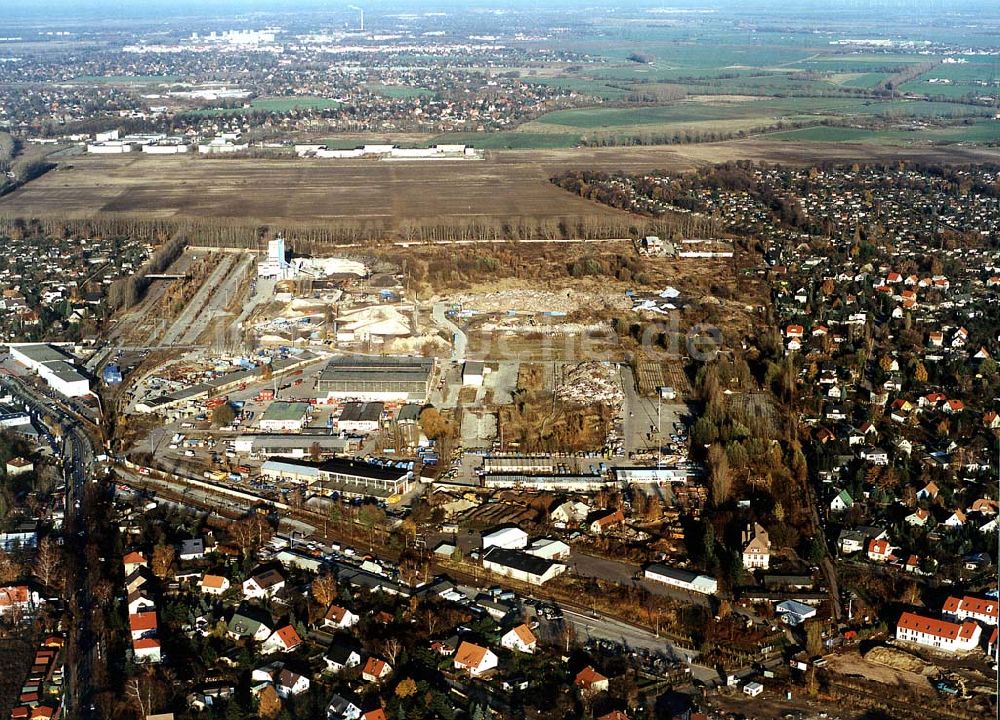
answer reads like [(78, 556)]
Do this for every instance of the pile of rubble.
[(540, 301), (591, 382)]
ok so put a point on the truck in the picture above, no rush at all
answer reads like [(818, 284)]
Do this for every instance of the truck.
[(265, 394)]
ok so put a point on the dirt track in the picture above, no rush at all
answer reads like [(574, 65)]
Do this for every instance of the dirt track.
[(505, 185)]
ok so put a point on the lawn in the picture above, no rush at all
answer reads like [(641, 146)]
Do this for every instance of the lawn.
[(511, 140), (980, 132), (758, 112), (400, 91), (274, 104), (594, 88), (284, 104)]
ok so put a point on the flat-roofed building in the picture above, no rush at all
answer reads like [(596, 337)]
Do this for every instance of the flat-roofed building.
[(351, 478), (521, 566), (292, 446), (12, 417), (283, 416), (54, 366), (565, 483), (684, 579), (360, 418), (371, 378)]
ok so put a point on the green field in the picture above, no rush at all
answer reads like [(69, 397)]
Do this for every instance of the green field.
[(594, 88), (511, 140), (762, 112), (275, 104), (981, 132), (284, 104), (400, 91)]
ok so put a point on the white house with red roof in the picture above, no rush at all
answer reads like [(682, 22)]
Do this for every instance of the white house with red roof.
[(879, 550), (284, 639), (938, 634), (983, 610), (519, 638), (133, 561), (474, 658)]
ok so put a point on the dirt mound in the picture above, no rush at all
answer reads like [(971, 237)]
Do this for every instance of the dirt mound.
[(898, 660)]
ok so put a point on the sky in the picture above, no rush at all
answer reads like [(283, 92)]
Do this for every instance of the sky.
[(151, 9)]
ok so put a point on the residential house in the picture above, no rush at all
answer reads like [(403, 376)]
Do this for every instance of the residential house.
[(880, 550), (290, 684), (841, 502), (139, 601), (756, 548), (339, 617), (603, 521), (983, 610), (474, 659), (938, 634), (590, 681), (342, 708), (147, 650), (284, 639), (191, 549), (18, 599), (143, 624), (214, 584), (375, 669), (342, 654), (250, 622), (928, 491), (265, 583), (918, 517), (133, 561), (956, 519), (519, 638)]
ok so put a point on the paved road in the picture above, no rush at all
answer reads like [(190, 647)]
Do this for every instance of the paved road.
[(460, 340), (78, 456)]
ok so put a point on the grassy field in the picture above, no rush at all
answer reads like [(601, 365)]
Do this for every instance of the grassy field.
[(595, 88), (275, 104), (707, 116), (982, 132), (511, 140), (400, 91), (506, 185)]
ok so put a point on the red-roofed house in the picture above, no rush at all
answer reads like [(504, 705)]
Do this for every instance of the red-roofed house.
[(794, 331), (375, 669), (284, 639), (971, 608), (133, 561), (879, 550), (938, 634), (143, 624), (519, 638), (146, 650), (590, 680), (474, 658)]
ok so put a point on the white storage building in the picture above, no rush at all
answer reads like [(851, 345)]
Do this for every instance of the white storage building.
[(511, 538), (683, 579), (54, 366), (521, 566)]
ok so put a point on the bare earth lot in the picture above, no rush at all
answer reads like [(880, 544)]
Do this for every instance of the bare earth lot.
[(507, 184)]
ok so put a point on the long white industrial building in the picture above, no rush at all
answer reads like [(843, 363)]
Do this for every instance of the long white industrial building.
[(52, 365)]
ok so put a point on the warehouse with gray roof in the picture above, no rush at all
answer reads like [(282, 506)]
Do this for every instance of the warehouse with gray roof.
[(358, 377)]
